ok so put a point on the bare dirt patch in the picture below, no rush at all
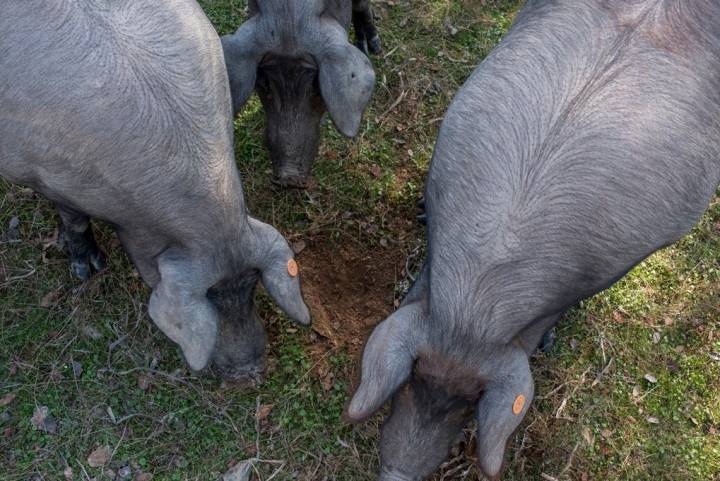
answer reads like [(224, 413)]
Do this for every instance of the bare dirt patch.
[(349, 289)]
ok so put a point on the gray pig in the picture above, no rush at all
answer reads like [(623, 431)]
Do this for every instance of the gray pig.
[(121, 111), (297, 54), (589, 139)]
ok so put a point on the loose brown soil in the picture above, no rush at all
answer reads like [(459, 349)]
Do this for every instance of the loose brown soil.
[(349, 289)]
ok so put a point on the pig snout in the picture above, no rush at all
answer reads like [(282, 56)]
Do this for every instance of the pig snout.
[(290, 177), (389, 474)]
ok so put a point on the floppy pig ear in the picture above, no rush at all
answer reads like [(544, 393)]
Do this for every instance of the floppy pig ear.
[(500, 411), (387, 360), (280, 273), (183, 313), (242, 55), (347, 80)]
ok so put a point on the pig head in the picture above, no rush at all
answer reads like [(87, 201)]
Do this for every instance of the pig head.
[(296, 54)]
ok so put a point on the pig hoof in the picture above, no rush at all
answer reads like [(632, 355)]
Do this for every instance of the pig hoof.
[(290, 182), (98, 261), (362, 45), (375, 45), (81, 270), (548, 341)]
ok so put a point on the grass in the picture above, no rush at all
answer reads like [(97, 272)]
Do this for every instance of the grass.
[(597, 416)]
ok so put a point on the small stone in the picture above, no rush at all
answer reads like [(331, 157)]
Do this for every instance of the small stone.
[(68, 473), (143, 477), (299, 246), (656, 338), (650, 378), (653, 420)]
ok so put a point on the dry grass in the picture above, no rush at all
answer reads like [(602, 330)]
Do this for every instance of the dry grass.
[(596, 417)]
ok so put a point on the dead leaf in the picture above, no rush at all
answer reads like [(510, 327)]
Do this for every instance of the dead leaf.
[(92, 333), (77, 369), (328, 381), (143, 477), (584, 477), (8, 432), (49, 299), (239, 472), (668, 321), (650, 378), (68, 473), (144, 382), (606, 433), (99, 457), (263, 412), (375, 170), (653, 420), (7, 399), (42, 420), (618, 317), (637, 391), (656, 337)]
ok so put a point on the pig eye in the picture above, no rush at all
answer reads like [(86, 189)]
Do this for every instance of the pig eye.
[(269, 61)]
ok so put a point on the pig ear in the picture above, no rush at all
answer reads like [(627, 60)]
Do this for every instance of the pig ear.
[(280, 272), (387, 360), (500, 411), (347, 80), (243, 53), (180, 308)]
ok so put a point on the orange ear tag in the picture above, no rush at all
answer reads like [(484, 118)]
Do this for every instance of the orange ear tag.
[(518, 405), (292, 268)]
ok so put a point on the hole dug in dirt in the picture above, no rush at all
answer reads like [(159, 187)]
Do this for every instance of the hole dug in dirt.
[(349, 290)]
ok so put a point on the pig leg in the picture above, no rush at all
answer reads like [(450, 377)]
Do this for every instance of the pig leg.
[(422, 217), (367, 38), (539, 336), (77, 235)]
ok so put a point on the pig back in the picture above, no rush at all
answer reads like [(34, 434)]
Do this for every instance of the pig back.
[(586, 141), (119, 109)]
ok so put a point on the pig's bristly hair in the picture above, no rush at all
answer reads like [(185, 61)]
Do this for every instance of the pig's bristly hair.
[(571, 145)]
